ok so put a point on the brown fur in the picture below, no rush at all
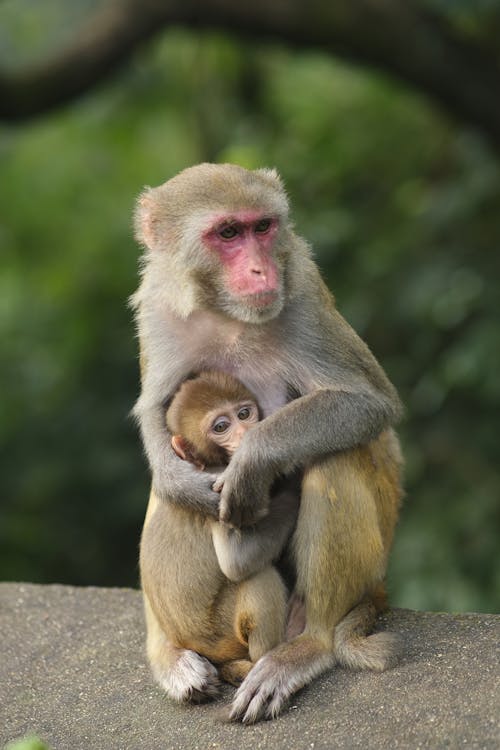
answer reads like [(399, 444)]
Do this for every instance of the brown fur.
[(351, 502), (193, 400)]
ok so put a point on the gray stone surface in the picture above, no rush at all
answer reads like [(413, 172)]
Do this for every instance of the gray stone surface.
[(72, 670)]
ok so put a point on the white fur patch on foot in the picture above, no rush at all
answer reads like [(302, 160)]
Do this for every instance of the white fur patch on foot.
[(191, 679)]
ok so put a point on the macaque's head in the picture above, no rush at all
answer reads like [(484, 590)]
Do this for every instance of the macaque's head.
[(218, 236), (208, 417)]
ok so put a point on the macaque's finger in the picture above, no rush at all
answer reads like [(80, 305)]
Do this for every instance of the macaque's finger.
[(218, 484), (262, 513), (238, 516), (225, 514), (230, 514)]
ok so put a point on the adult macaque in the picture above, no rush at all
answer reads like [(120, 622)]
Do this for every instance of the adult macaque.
[(220, 596), (228, 285)]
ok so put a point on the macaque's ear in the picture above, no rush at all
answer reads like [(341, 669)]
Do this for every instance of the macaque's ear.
[(180, 446), (184, 451), (146, 218)]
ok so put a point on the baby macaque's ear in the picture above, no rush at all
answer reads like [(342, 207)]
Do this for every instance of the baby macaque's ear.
[(180, 446), (185, 451)]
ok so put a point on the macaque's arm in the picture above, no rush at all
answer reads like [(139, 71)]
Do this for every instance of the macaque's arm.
[(174, 480), (348, 401)]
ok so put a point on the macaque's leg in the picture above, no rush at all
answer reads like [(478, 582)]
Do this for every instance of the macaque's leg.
[(183, 674), (340, 547), (296, 616), (261, 612)]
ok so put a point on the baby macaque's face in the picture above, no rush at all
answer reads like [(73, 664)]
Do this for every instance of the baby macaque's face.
[(226, 426)]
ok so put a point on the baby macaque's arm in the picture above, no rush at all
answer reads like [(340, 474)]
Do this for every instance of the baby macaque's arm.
[(243, 552)]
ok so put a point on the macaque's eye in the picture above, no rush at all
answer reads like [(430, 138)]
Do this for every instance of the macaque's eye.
[(244, 413), (221, 425), (229, 232), (263, 226)]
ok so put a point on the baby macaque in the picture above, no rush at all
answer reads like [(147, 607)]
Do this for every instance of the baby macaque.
[(228, 603), (208, 418)]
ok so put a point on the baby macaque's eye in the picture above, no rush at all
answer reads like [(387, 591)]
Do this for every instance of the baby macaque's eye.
[(244, 413), (221, 425), (229, 232), (263, 226)]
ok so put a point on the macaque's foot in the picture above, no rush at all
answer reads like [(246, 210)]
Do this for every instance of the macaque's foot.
[(276, 677), (263, 694), (192, 679), (235, 671)]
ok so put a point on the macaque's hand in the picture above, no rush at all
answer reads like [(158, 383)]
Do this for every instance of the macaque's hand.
[(179, 482), (244, 491)]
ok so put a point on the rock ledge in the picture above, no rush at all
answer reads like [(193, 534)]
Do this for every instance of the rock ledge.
[(73, 671)]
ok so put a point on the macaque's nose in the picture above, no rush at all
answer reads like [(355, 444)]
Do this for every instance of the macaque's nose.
[(258, 270), (256, 261), (239, 432)]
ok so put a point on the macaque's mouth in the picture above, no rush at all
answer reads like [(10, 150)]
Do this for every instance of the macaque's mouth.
[(262, 299)]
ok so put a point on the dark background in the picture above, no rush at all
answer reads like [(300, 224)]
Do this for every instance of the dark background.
[(394, 180)]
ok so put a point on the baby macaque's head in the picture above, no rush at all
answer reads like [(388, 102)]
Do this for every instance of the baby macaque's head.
[(208, 417)]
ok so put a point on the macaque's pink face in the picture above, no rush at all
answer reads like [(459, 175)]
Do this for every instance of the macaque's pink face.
[(226, 426), (244, 243)]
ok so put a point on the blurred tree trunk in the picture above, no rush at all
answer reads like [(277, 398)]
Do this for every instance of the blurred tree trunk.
[(452, 58)]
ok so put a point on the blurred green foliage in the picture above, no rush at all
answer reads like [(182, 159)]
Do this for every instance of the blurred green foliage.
[(402, 208), (28, 743)]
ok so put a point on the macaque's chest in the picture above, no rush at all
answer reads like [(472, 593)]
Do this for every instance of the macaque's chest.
[(245, 351)]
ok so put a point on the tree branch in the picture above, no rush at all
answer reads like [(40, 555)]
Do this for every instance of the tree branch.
[(399, 38)]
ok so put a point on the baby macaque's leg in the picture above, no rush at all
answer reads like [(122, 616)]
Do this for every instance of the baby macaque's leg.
[(260, 616)]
